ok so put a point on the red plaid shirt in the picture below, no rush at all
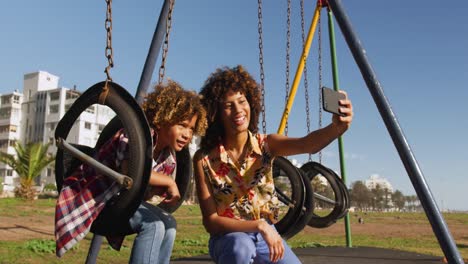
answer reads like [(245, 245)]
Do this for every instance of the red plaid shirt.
[(85, 193)]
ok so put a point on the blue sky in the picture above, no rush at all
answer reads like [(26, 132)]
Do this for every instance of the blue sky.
[(418, 50)]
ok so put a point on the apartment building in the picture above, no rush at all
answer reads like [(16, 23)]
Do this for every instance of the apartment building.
[(32, 116)]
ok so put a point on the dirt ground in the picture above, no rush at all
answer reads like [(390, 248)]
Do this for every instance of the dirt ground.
[(41, 226), (27, 227)]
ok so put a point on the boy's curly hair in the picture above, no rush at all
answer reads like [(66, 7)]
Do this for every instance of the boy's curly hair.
[(215, 87), (170, 104)]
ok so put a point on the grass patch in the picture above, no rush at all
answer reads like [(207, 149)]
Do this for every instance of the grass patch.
[(192, 238)]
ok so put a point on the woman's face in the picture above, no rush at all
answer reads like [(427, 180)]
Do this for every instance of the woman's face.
[(177, 136), (235, 112)]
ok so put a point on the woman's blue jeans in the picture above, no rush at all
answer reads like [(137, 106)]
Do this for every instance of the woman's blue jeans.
[(243, 248), (156, 234)]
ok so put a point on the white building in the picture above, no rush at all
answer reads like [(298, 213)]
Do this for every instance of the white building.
[(10, 133), (375, 180), (40, 107), (385, 185)]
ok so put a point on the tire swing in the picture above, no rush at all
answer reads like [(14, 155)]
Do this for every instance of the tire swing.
[(289, 181), (183, 170), (290, 191), (325, 195), (113, 220), (334, 193)]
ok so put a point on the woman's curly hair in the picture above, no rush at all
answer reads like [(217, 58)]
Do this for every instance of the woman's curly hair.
[(170, 104), (215, 87)]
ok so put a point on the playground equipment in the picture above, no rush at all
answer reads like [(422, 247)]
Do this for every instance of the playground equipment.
[(334, 7), (396, 133)]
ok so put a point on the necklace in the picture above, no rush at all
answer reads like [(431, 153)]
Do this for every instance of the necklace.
[(240, 161)]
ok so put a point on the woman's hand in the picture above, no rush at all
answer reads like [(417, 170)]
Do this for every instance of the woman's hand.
[(342, 123), (273, 240)]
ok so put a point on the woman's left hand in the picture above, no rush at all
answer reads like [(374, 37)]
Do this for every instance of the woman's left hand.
[(342, 123)]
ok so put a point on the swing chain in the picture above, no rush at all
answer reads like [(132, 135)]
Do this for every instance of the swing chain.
[(306, 82), (320, 77), (288, 51), (162, 69), (260, 59), (109, 51)]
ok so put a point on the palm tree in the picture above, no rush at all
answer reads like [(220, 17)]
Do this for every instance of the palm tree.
[(28, 162)]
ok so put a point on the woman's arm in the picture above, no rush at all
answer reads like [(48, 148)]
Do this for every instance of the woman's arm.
[(280, 145)]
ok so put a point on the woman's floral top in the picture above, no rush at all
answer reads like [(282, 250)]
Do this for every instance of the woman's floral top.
[(246, 191)]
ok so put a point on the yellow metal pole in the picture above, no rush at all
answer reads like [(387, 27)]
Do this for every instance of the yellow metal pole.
[(300, 68)]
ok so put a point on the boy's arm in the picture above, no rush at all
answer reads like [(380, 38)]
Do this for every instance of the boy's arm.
[(162, 182)]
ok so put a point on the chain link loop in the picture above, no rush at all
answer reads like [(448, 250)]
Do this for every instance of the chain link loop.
[(320, 77), (306, 82), (162, 69), (288, 51), (260, 59), (109, 51)]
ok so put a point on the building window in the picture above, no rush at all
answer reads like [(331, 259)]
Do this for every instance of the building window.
[(5, 113), (53, 109), (87, 125), (16, 99), (101, 127), (6, 99), (90, 109), (54, 96), (72, 95), (9, 173)]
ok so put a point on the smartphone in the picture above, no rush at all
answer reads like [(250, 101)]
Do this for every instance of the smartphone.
[(330, 100)]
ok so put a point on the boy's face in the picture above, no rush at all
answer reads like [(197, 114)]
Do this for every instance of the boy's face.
[(178, 135)]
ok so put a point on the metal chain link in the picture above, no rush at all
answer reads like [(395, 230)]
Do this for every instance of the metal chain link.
[(306, 82), (260, 59), (162, 69), (109, 51), (320, 78), (288, 51)]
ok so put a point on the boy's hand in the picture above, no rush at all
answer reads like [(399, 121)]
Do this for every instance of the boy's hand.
[(172, 194)]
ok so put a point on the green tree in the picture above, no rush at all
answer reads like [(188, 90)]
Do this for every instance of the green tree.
[(398, 200), (361, 196), (377, 197), (28, 162)]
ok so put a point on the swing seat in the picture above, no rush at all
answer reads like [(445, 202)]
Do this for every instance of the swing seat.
[(340, 191), (113, 220), (295, 192)]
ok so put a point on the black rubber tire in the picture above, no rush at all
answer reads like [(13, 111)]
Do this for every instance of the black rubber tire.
[(306, 212), (184, 174), (295, 201), (113, 220), (344, 192), (312, 170)]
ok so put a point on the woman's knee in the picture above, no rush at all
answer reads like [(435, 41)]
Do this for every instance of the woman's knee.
[(235, 247)]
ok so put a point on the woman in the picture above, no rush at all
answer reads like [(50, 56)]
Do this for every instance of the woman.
[(233, 170)]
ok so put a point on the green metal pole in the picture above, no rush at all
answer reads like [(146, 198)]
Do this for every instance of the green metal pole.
[(336, 86)]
